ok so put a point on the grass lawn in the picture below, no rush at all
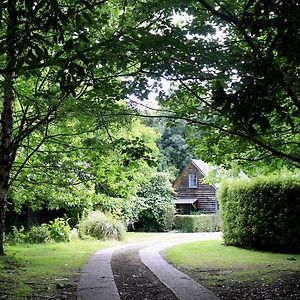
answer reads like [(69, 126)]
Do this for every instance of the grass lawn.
[(44, 270), (52, 269), (216, 265), (133, 237)]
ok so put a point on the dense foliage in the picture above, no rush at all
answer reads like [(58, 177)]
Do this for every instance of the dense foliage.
[(175, 152), (57, 230), (63, 64), (67, 69), (156, 204), (235, 74), (261, 213), (125, 209), (72, 172), (197, 223)]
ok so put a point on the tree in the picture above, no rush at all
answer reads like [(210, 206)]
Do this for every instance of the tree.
[(156, 204), (59, 59), (235, 70), (71, 173), (174, 150)]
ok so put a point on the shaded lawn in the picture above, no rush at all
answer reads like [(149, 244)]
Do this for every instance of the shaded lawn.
[(45, 270), (52, 270), (235, 273)]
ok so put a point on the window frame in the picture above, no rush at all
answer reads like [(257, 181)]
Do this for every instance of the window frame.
[(193, 180)]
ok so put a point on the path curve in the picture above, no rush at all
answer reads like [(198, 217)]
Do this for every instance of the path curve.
[(97, 279), (179, 283), (134, 280)]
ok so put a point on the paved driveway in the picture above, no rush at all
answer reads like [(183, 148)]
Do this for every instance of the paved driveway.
[(97, 279)]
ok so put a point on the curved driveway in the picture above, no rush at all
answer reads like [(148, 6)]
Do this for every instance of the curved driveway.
[(97, 279)]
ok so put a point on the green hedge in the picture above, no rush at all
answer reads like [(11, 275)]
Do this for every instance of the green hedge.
[(197, 223), (261, 213)]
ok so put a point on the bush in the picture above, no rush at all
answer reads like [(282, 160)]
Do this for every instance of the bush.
[(124, 209), (73, 235), (16, 236), (156, 204), (59, 230), (35, 235), (38, 235), (261, 213), (197, 223), (100, 226)]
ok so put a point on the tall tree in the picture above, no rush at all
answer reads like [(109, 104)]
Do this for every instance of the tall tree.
[(174, 149), (70, 170), (60, 58)]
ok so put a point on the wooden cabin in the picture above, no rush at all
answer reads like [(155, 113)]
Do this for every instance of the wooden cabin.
[(192, 194)]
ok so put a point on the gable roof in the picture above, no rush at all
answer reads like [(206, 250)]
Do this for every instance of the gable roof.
[(205, 168), (202, 166)]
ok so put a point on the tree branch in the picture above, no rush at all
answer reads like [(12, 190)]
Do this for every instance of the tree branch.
[(244, 136), (29, 156), (225, 17)]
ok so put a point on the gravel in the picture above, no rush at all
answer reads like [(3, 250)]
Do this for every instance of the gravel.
[(134, 280)]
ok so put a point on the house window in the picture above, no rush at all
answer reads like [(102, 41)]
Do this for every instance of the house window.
[(192, 180)]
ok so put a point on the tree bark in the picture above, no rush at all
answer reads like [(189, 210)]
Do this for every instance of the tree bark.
[(7, 115)]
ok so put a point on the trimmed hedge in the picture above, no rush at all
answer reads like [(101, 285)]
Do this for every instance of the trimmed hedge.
[(261, 213), (197, 223)]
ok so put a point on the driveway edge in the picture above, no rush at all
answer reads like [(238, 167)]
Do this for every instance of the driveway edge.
[(179, 283)]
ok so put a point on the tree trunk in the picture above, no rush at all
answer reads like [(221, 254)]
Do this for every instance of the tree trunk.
[(5, 154), (7, 115)]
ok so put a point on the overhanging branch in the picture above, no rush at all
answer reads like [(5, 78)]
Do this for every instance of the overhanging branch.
[(241, 135)]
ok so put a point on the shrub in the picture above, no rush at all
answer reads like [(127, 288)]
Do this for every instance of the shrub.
[(100, 226), (155, 202), (73, 235), (124, 209), (261, 213), (38, 235), (59, 230), (197, 223), (16, 236)]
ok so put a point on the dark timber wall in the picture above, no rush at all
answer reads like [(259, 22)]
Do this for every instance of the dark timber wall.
[(204, 194)]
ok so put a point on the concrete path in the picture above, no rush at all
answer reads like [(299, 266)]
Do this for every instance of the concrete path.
[(97, 281), (179, 283)]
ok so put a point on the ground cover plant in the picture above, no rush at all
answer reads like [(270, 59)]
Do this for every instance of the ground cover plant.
[(235, 273)]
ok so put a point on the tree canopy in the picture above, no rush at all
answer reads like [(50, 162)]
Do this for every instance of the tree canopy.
[(235, 73), (174, 151), (62, 64), (66, 67)]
